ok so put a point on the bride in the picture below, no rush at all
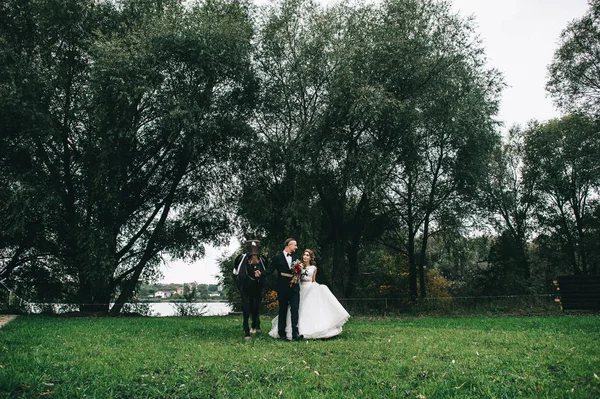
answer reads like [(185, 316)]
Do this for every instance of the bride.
[(320, 314)]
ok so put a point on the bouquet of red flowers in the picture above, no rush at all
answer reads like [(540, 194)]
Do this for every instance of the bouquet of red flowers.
[(298, 271)]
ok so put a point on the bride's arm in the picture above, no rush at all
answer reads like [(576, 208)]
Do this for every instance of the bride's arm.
[(314, 280)]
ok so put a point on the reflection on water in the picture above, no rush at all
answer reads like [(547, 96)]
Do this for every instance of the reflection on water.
[(156, 308)]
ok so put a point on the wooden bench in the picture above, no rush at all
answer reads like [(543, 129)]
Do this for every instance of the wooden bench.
[(578, 292)]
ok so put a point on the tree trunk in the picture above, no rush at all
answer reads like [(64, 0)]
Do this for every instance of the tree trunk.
[(524, 261), (94, 289), (92, 301), (423, 256), (352, 253), (130, 284), (412, 267), (422, 263), (572, 254), (581, 248), (338, 269), (570, 244)]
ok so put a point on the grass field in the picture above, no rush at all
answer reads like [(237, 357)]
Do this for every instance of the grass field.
[(207, 357)]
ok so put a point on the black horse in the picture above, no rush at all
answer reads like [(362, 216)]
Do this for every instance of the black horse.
[(250, 286)]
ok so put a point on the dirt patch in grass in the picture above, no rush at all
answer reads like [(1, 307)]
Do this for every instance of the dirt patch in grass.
[(6, 318)]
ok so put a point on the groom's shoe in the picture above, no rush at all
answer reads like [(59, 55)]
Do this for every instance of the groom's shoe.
[(298, 338)]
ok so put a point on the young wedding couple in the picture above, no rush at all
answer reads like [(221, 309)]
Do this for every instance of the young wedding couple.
[(307, 310)]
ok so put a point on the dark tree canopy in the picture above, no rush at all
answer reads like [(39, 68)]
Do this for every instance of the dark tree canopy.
[(574, 81), (372, 118), (134, 130), (123, 116), (563, 157)]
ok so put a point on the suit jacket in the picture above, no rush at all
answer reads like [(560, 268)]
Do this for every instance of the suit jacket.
[(280, 264)]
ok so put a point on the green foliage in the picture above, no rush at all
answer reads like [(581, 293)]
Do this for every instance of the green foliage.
[(464, 262), (372, 118), (183, 309), (124, 116), (388, 277), (563, 157), (532, 357), (574, 81), (132, 130), (226, 279), (509, 200), (505, 274), (439, 107), (568, 150)]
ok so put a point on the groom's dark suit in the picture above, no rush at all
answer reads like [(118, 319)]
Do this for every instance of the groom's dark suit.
[(286, 295)]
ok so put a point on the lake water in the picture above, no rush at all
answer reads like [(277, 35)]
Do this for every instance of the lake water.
[(212, 308), (158, 309)]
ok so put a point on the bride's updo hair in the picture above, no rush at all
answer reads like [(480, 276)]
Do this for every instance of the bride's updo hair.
[(312, 256)]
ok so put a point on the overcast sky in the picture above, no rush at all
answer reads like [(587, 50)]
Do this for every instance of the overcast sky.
[(519, 36)]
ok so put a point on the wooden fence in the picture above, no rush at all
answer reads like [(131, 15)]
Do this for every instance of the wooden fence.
[(579, 292)]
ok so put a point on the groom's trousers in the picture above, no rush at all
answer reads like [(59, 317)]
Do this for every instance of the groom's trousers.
[(289, 297)]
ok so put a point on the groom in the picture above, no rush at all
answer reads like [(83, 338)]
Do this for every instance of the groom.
[(286, 295)]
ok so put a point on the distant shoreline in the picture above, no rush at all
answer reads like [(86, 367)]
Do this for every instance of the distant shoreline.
[(180, 300)]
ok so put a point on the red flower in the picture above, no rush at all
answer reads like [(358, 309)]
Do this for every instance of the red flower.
[(298, 270)]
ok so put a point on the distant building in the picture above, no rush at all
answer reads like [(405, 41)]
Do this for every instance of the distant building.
[(162, 294)]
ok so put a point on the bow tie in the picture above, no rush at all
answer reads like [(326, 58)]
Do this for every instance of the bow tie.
[(288, 255)]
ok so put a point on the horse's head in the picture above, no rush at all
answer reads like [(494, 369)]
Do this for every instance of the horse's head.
[(253, 252), (253, 257), (252, 247)]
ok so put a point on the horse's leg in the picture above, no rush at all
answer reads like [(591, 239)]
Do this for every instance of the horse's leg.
[(258, 302), (251, 299), (246, 314), (255, 306)]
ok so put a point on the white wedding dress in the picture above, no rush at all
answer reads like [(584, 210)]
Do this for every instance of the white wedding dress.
[(320, 314)]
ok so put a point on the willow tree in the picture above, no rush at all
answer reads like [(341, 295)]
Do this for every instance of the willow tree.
[(508, 194), (370, 114), (292, 69), (564, 152), (126, 119), (307, 178), (574, 74), (433, 100), (563, 157)]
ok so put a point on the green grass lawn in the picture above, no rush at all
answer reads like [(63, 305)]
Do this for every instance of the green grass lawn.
[(207, 357)]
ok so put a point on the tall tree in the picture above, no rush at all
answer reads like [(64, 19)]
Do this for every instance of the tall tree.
[(347, 155), (369, 97), (435, 106), (292, 67), (509, 197), (128, 125), (312, 177), (574, 80), (563, 156)]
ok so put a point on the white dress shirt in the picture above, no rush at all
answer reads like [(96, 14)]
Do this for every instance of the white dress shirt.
[(288, 259)]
